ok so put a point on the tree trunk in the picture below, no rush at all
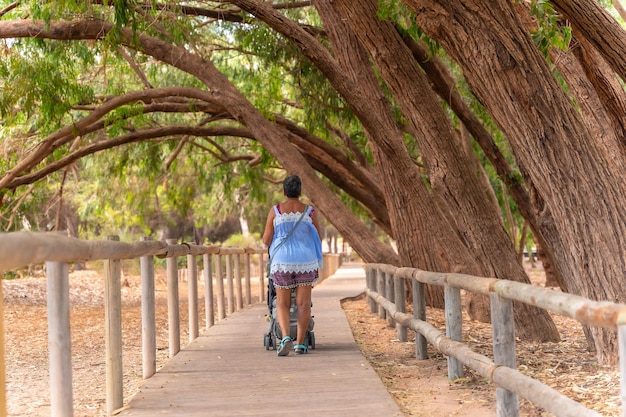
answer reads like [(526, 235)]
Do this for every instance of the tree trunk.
[(405, 193), (602, 30), (611, 95), (451, 170), (580, 180), (444, 85)]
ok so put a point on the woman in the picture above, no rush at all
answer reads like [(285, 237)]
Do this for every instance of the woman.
[(294, 263)]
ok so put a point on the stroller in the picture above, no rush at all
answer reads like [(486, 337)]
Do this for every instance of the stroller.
[(274, 334)]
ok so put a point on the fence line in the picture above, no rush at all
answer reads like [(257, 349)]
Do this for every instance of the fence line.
[(20, 249), (509, 382), (23, 248)]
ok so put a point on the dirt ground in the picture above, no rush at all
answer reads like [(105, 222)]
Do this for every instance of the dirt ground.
[(420, 387)]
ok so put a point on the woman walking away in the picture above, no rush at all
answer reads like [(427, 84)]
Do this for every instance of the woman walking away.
[(295, 249)]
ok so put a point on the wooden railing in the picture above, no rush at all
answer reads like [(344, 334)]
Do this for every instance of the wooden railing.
[(386, 296), (57, 250)]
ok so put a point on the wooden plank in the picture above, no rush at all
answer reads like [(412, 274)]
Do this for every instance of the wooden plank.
[(454, 327), (596, 313), (419, 312), (221, 310), (113, 333), (503, 331), (400, 300), (227, 371), (262, 288), (59, 345), (173, 308), (380, 288), (370, 282), (148, 316), (192, 296), (209, 309), (621, 342), (230, 286), (246, 263), (238, 282)]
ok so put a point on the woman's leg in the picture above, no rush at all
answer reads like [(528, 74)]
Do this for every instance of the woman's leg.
[(303, 301), (283, 304)]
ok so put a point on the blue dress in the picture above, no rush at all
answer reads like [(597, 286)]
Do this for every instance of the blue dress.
[(302, 252)]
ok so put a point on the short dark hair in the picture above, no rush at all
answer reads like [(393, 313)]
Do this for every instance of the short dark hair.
[(292, 186)]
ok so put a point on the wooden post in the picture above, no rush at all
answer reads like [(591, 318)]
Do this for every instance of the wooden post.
[(262, 289), (173, 313), (192, 296), (148, 315), (230, 286), (59, 340), (390, 295), (209, 310), (113, 332), (621, 341), (246, 264), (220, 289), (419, 312), (370, 275), (380, 279), (503, 331), (400, 301), (454, 327), (3, 392), (239, 289)]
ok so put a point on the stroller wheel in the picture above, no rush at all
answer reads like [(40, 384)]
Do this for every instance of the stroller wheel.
[(312, 340), (267, 341)]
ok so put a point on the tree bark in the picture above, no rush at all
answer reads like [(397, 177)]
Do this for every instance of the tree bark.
[(580, 180), (451, 173), (611, 95), (602, 30)]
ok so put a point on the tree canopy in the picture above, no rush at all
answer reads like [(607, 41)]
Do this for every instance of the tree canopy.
[(458, 129)]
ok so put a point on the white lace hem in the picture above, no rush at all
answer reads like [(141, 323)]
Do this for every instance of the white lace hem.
[(295, 268)]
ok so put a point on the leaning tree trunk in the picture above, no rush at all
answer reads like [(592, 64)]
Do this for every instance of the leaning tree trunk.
[(602, 30), (405, 193), (445, 86), (451, 170), (580, 179)]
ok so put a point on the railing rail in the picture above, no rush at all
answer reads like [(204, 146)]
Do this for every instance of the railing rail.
[(382, 279)]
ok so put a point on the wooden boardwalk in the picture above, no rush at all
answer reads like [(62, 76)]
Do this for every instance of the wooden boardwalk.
[(227, 371)]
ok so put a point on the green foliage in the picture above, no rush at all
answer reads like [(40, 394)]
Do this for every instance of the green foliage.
[(42, 79), (551, 31), (240, 241), (276, 77)]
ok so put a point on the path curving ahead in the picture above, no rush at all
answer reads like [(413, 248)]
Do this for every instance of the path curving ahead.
[(228, 372)]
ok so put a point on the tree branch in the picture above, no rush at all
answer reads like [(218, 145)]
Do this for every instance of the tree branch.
[(133, 137), (64, 135)]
